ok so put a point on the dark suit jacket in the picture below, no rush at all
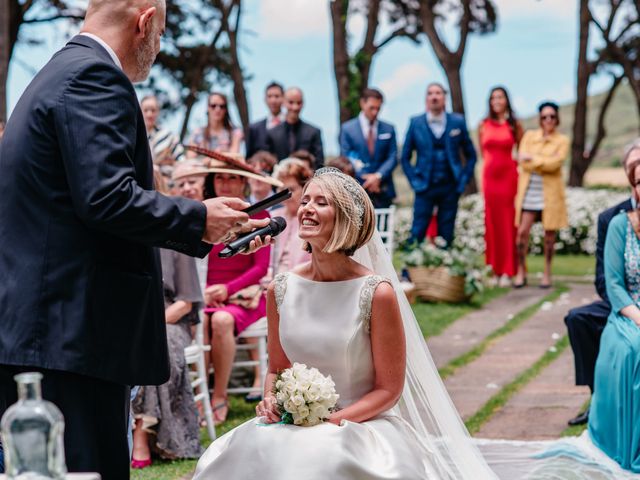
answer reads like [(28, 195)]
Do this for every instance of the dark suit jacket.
[(354, 146), (256, 137), (457, 142), (603, 224), (80, 284), (308, 138)]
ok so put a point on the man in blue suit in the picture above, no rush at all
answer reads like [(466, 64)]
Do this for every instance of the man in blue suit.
[(439, 175), (80, 279), (370, 145)]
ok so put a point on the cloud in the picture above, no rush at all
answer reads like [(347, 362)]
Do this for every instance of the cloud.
[(293, 18), (403, 78), (508, 9)]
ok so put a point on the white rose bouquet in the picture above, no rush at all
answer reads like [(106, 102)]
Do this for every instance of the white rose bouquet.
[(304, 396)]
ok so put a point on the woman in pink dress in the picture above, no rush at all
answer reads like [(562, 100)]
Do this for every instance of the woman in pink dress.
[(228, 276), (499, 133)]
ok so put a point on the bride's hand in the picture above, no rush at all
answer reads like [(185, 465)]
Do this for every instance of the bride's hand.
[(268, 409)]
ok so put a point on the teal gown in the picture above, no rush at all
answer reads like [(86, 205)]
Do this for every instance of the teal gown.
[(614, 419)]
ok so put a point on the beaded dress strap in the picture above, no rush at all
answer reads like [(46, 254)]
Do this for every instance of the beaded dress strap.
[(280, 288), (366, 298)]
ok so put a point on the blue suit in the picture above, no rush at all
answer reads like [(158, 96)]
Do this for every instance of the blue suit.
[(430, 189), (353, 145)]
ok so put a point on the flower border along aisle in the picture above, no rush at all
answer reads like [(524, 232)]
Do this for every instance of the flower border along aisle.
[(444, 275)]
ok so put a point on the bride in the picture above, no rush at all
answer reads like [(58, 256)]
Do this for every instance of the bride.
[(344, 314)]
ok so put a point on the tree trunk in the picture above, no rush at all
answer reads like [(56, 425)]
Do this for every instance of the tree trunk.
[(4, 57), (580, 161), (188, 102), (339, 10), (454, 79), (239, 92)]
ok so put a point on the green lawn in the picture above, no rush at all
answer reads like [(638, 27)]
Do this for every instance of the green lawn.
[(570, 265)]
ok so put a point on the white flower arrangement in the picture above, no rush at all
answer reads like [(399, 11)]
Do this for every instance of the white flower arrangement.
[(304, 396), (583, 207)]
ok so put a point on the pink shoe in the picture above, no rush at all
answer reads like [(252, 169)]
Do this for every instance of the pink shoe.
[(140, 464)]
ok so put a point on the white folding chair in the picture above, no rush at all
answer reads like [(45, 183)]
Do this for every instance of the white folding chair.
[(255, 330), (385, 221), (194, 355)]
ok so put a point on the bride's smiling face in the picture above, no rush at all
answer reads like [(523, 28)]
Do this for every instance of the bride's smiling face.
[(316, 216)]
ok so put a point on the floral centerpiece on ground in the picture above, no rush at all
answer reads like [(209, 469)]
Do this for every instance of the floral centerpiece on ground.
[(459, 261), (304, 396)]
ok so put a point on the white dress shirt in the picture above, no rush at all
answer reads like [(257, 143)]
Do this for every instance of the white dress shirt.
[(365, 125), (106, 46), (437, 123)]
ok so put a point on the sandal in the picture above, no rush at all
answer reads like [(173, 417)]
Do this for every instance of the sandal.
[(219, 419)]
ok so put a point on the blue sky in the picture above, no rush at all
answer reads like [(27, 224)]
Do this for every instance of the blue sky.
[(533, 54)]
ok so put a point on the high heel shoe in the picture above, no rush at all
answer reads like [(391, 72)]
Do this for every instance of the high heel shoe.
[(520, 285), (140, 464)]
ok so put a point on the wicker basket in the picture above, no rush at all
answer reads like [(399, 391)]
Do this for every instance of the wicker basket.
[(434, 284)]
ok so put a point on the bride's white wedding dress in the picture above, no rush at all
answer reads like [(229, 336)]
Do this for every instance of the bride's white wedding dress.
[(325, 325)]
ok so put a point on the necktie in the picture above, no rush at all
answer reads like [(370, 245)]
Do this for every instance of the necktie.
[(371, 140), (292, 138), (275, 122)]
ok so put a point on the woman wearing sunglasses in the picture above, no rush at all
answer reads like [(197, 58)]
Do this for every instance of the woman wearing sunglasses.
[(219, 134), (541, 189)]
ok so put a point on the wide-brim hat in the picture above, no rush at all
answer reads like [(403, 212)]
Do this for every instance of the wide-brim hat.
[(216, 162), (189, 168)]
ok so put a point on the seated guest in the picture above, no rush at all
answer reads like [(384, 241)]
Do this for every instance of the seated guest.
[(343, 164), (264, 162), (305, 156), (371, 145), (165, 146), (234, 296), (540, 196), (288, 251), (585, 323), (166, 419), (218, 134), (256, 138), (613, 420), (294, 134)]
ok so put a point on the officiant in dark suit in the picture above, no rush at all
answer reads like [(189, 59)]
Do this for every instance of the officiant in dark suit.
[(445, 159), (370, 145), (294, 134), (80, 279), (585, 323), (256, 134)]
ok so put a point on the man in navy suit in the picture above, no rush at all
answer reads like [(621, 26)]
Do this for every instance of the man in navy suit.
[(256, 135), (295, 134), (585, 323), (439, 175), (80, 279), (371, 146)]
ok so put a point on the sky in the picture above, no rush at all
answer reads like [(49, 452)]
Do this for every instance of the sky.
[(533, 53)]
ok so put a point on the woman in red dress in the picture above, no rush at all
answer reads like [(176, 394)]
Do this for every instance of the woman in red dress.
[(499, 133)]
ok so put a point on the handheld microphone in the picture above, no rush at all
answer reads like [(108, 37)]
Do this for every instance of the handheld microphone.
[(240, 244)]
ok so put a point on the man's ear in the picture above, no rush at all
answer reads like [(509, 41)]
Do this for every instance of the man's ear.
[(144, 21)]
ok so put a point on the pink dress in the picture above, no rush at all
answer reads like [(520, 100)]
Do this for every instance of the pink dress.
[(236, 273)]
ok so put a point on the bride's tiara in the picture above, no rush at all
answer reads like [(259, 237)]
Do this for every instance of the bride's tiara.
[(352, 187)]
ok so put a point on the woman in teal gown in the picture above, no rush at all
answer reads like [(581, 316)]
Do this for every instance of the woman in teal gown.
[(614, 420)]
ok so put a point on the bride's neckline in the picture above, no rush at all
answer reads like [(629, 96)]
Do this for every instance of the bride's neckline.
[(326, 281)]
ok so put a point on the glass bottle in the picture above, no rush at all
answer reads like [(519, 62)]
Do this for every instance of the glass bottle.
[(32, 434)]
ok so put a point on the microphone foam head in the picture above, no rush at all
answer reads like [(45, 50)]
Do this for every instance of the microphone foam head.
[(278, 224)]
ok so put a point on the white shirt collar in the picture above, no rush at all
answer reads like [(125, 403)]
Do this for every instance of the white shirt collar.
[(436, 118), (106, 46), (365, 124)]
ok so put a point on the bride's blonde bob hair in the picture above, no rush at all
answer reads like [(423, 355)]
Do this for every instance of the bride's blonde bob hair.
[(355, 216)]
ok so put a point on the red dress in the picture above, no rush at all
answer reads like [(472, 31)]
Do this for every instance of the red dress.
[(499, 185)]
